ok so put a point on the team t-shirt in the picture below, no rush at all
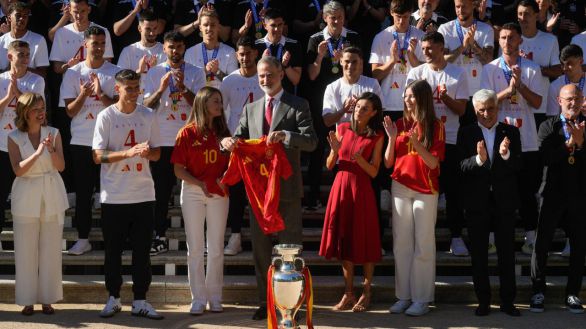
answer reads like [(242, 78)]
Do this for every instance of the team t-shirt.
[(29, 82), (39, 55), (237, 91), (393, 85), (226, 57), (484, 36), (129, 180), (338, 91), (515, 110), (454, 79), (553, 107), (131, 55), (580, 40), (69, 43), (82, 124), (200, 154), (173, 110)]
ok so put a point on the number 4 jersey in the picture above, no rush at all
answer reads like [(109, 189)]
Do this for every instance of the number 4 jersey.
[(261, 167)]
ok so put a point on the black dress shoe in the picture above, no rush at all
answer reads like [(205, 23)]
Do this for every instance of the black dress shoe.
[(260, 313), (510, 309), (482, 310)]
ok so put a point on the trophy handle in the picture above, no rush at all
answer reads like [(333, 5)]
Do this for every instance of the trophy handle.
[(277, 259), (299, 259)]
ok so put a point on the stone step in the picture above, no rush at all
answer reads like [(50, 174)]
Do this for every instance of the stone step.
[(242, 289)]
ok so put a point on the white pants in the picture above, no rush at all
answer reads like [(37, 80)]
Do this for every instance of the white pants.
[(414, 216), (213, 212), (37, 258)]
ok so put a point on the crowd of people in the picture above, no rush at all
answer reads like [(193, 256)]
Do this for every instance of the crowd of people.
[(480, 102)]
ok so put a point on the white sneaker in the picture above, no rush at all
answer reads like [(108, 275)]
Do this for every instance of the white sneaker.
[(80, 247), (71, 200), (97, 204), (565, 252), (234, 245), (385, 200), (458, 247), (417, 309), (215, 307), (144, 309), (400, 306), (197, 308), (112, 307)]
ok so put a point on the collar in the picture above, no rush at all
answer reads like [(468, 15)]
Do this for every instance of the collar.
[(417, 16), (327, 35), (282, 41), (493, 129), (276, 98)]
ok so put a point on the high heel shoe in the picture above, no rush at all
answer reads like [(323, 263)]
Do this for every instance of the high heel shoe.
[(347, 302)]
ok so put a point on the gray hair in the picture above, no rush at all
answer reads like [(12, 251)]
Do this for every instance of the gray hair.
[(270, 60), (483, 96), (333, 6)]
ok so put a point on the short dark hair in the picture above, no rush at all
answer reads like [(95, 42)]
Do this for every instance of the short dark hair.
[(80, 1), (173, 36), (433, 37), (571, 51), (353, 50), (401, 7), (512, 27), (18, 6), (93, 30), (126, 75), (530, 4), (245, 41), (147, 15), (273, 13)]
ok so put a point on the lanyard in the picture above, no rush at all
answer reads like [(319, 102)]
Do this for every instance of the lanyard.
[(507, 70), (331, 45), (460, 32), (172, 88), (580, 84), (257, 21), (567, 134), (279, 50), (204, 53), (405, 41)]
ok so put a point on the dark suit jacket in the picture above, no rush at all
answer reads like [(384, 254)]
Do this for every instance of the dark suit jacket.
[(292, 114), (499, 175)]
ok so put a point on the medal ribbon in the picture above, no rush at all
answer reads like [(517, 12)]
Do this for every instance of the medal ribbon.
[(405, 43), (257, 22), (172, 88), (279, 50), (204, 54), (331, 47), (461, 33), (567, 134), (507, 71), (580, 83)]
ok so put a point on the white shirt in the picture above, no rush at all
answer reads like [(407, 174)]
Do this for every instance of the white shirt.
[(172, 117), (131, 55), (393, 85), (68, 42), (237, 91), (519, 113), (30, 82), (580, 40), (339, 91), (456, 83), (544, 50), (39, 55), (484, 36), (489, 135), (553, 107), (226, 58), (129, 180), (82, 124)]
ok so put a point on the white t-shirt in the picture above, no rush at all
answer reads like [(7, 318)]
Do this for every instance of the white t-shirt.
[(553, 107), (30, 82), (517, 112), (226, 57), (393, 85), (129, 180), (544, 50), (484, 36), (338, 91), (68, 42), (580, 40), (82, 124), (131, 55), (172, 117), (39, 55), (455, 81), (237, 91)]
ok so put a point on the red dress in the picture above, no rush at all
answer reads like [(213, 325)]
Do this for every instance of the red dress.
[(351, 229)]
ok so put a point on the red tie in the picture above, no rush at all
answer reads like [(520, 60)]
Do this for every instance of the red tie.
[(268, 115)]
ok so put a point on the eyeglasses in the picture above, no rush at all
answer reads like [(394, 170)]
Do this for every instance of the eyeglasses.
[(573, 99)]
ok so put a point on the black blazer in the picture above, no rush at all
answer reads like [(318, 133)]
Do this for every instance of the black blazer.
[(498, 176)]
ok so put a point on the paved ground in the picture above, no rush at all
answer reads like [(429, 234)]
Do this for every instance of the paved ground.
[(238, 316)]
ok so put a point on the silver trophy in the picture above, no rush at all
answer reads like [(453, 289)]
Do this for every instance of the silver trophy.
[(288, 283)]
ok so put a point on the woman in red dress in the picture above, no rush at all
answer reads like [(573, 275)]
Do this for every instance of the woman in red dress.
[(351, 230)]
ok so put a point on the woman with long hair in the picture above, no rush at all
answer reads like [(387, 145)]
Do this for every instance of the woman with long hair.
[(199, 163), (38, 205), (351, 230), (416, 147)]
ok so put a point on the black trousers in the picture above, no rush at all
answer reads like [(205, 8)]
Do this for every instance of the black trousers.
[(480, 224), (450, 175), (87, 180), (6, 179), (122, 222), (238, 201), (529, 181), (570, 210), (164, 178)]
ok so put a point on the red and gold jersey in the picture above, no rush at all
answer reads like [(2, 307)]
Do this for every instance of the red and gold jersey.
[(200, 155), (261, 167), (410, 170)]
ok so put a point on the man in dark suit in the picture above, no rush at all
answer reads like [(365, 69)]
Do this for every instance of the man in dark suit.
[(490, 161), (286, 119), (564, 195)]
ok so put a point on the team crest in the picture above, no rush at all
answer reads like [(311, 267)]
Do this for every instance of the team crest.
[(269, 153)]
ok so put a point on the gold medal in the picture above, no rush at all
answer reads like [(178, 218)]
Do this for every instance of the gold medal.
[(514, 98), (571, 160), (258, 35), (335, 69)]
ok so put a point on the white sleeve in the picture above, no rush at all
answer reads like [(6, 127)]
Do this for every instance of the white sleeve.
[(109, 53), (554, 58), (537, 85), (56, 48), (199, 80), (101, 133), (189, 56), (69, 86), (376, 53), (3, 59), (232, 63), (124, 59), (155, 136), (39, 87), (149, 84), (42, 55), (329, 105), (224, 90), (411, 76), (485, 79), (377, 89), (462, 90), (553, 107)]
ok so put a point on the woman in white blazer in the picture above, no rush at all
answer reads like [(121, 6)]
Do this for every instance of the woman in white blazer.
[(38, 205)]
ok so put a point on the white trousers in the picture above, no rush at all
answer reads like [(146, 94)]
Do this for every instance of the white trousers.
[(414, 217), (37, 258), (199, 210)]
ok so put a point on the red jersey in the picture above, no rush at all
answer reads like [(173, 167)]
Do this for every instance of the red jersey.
[(410, 170), (200, 155), (261, 167)]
